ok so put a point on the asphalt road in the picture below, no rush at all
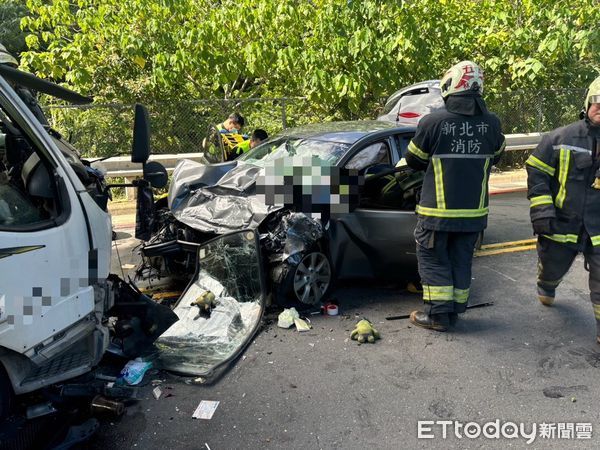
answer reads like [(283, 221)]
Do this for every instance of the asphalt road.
[(515, 361)]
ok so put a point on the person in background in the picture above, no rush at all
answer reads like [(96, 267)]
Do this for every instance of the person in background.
[(256, 138), (223, 137), (233, 124), (563, 180)]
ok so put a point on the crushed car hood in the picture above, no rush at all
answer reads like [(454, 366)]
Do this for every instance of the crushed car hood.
[(217, 198)]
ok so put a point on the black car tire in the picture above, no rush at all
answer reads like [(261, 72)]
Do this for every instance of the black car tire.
[(306, 283), (6, 394)]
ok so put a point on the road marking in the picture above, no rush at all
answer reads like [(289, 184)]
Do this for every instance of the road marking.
[(506, 247), (500, 273)]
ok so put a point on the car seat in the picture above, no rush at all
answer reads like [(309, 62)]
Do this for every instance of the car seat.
[(391, 188)]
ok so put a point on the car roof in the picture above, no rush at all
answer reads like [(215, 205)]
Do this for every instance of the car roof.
[(342, 132)]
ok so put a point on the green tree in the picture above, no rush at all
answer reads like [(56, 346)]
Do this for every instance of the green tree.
[(344, 55), (11, 35)]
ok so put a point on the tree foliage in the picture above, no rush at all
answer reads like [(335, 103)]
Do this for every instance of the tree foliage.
[(11, 35), (344, 55)]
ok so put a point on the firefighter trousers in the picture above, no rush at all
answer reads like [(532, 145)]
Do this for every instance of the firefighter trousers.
[(555, 260), (445, 260)]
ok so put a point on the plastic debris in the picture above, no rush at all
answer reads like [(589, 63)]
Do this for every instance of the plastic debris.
[(302, 325), (205, 409), (157, 392), (134, 371), (287, 317)]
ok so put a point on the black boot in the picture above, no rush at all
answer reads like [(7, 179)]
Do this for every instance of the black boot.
[(437, 322)]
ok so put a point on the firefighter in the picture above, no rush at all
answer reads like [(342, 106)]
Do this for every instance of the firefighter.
[(457, 148), (564, 192)]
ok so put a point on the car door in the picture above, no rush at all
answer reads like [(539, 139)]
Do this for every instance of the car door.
[(376, 240)]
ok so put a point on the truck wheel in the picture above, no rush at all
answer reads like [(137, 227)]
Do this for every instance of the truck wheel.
[(6, 394), (308, 282)]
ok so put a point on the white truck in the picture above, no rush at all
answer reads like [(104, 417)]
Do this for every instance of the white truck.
[(60, 309)]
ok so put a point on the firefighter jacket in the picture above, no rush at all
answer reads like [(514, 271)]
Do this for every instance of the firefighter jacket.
[(457, 151), (561, 172)]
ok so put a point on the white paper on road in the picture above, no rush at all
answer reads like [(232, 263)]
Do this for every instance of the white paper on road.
[(205, 409)]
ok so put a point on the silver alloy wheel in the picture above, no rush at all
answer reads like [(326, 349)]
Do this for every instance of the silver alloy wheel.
[(312, 278)]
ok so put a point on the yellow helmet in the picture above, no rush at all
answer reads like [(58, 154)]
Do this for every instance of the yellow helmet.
[(593, 94), (7, 58), (466, 76)]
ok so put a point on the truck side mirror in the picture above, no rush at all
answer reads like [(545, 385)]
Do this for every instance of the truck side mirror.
[(140, 151), (156, 174)]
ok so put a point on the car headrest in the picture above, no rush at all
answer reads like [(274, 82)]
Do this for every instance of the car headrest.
[(36, 178)]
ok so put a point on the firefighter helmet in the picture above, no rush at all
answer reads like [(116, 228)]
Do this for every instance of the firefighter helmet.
[(593, 94), (7, 58), (466, 76)]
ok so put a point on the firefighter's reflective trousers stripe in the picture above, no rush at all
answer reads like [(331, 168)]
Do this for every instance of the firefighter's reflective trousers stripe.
[(445, 268), (555, 260)]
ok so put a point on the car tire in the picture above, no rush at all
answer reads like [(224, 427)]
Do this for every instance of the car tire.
[(6, 394), (306, 283)]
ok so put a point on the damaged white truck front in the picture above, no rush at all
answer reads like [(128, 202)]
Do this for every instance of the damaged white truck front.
[(60, 309)]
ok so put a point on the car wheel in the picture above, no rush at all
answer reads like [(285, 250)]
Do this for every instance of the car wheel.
[(308, 282), (6, 394)]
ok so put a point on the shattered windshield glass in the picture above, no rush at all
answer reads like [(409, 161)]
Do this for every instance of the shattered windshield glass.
[(285, 147), (221, 309)]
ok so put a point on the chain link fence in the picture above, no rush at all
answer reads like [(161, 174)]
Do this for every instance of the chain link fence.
[(528, 112), (181, 126), (177, 127)]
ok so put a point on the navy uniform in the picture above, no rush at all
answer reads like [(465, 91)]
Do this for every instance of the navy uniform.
[(565, 203), (457, 147)]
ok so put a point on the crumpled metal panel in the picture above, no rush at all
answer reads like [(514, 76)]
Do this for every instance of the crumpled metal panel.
[(294, 234), (217, 198)]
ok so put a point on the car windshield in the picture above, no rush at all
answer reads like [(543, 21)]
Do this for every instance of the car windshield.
[(327, 151)]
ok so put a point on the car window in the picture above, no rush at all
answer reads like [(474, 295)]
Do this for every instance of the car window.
[(402, 142), (377, 153), (327, 151)]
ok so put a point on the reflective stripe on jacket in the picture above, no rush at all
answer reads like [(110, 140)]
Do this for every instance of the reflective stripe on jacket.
[(242, 147), (561, 172), (458, 152)]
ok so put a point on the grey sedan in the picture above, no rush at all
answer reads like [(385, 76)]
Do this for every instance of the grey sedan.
[(302, 255)]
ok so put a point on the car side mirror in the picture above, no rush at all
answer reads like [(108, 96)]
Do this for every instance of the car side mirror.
[(140, 151), (156, 174)]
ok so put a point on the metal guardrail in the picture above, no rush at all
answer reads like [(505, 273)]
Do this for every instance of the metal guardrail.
[(522, 141), (121, 166)]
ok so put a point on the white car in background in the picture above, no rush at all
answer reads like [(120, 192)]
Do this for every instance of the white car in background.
[(410, 104)]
